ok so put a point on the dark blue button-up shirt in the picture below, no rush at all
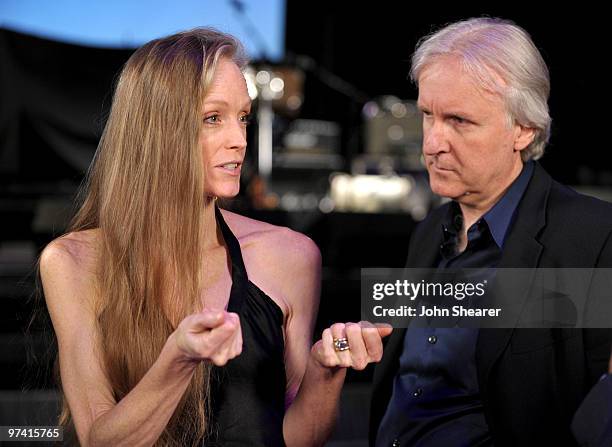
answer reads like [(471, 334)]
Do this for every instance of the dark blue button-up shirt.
[(436, 399)]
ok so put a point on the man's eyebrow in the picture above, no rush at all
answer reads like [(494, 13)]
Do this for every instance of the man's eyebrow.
[(449, 113), (458, 113)]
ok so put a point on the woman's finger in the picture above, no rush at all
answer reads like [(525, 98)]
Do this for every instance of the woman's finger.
[(219, 341), (340, 344), (357, 348), (326, 349), (384, 329), (205, 320), (372, 340)]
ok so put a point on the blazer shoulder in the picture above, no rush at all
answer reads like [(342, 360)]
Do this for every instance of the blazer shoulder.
[(578, 228), (583, 212)]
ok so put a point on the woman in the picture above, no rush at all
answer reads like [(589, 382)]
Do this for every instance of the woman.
[(176, 321)]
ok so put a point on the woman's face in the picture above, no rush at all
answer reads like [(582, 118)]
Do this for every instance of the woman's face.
[(223, 137)]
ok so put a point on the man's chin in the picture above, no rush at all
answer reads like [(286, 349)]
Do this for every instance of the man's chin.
[(448, 191)]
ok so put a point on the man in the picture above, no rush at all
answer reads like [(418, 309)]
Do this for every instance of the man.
[(483, 90)]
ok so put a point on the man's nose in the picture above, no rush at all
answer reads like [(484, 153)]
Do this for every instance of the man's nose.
[(435, 139)]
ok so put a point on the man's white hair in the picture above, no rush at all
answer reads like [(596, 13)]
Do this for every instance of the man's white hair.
[(490, 49)]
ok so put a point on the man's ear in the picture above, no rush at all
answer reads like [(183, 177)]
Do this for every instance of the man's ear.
[(523, 137)]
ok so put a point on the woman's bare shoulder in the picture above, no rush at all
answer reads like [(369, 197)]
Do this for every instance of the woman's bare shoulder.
[(71, 259), (268, 239), (278, 260), (80, 247)]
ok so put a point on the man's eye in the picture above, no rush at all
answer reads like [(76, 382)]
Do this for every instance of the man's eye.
[(246, 119), (459, 120), (211, 119)]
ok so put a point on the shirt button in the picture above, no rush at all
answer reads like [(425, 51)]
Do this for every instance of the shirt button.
[(417, 392), (395, 443), (432, 339)]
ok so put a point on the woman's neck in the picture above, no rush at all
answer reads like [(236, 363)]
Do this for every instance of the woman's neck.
[(212, 233)]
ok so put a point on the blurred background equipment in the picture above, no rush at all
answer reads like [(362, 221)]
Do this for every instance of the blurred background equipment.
[(394, 127), (381, 194), (308, 143), (276, 89)]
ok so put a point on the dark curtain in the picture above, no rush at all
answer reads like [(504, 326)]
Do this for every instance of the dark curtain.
[(53, 101)]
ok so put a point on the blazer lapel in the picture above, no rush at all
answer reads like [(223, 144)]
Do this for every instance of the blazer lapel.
[(425, 243), (521, 250)]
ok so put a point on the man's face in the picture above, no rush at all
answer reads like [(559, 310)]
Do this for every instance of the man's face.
[(471, 152)]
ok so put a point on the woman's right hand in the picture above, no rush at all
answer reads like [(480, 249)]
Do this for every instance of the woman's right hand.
[(212, 335)]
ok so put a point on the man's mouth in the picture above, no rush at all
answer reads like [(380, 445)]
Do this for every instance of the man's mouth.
[(440, 167)]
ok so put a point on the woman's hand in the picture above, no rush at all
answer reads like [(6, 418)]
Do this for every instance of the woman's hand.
[(350, 345), (210, 335)]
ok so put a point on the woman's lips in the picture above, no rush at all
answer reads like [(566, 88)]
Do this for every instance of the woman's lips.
[(230, 168)]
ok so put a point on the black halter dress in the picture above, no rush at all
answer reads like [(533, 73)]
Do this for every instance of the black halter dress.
[(248, 394)]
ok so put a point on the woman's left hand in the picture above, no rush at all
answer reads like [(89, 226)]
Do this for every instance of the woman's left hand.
[(350, 345)]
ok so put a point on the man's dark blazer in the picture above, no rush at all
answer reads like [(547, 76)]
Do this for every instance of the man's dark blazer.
[(531, 380), (592, 423)]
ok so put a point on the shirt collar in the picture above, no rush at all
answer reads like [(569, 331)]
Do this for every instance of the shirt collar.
[(500, 216)]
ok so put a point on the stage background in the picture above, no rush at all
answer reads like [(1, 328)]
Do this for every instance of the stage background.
[(54, 97)]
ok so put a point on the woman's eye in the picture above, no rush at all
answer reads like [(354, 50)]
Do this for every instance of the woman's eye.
[(212, 119), (245, 119)]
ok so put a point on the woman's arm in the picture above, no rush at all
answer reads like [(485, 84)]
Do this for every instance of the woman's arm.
[(312, 391), (312, 416), (141, 416), (315, 374)]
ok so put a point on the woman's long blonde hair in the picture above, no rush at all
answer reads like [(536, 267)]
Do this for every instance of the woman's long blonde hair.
[(144, 192)]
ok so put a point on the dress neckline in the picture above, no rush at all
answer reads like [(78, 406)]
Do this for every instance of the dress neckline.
[(239, 275)]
